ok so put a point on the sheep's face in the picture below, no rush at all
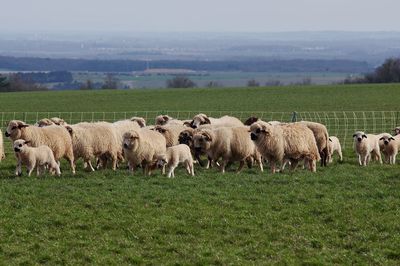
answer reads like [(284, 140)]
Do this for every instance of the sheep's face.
[(396, 131), (251, 120), (386, 139), (20, 145), (359, 136), (162, 119), (130, 140), (259, 131), (162, 160), (202, 142), (45, 122), (14, 129), (185, 137), (200, 119)]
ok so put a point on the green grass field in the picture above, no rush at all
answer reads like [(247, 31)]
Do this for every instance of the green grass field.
[(343, 214)]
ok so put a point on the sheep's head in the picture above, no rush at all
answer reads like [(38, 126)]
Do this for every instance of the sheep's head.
[(130, 140), (251, 120), (139, 120), (259, 130), (14, 129), (186, 137), (44, 122), (359, 136), (386, 139), (162, 119), (162, 160), (202, 141), (396, 131), (200, 119), (20, 145)]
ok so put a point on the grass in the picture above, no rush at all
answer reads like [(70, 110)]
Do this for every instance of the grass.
[(343, 214)]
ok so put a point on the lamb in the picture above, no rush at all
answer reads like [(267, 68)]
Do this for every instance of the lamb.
[(174, 156), (163, 120), (229, 144), (93, 140), (2, 154), (321, 136), (389, 146), (56, 137), (334, 146), (143, 146), (52, 121), (226, 121), (39, 157), (365, 145), (293, 142), (171, 133)]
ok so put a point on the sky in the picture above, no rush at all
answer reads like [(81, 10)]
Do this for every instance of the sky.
[(199, 15)]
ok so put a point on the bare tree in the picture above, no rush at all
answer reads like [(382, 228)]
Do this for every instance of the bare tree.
[(214, 84), (110, 82), (180, 82), (88, 85)]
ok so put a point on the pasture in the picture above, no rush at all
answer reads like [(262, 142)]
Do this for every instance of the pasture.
[(343, 214)]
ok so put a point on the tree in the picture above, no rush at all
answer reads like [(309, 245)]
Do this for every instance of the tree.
[(180, 82), (110, 82), (88, 85), (253, 83), (15, 83), (214, 84)]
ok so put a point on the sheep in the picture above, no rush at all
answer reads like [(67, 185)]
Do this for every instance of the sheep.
[(39, 157), (163, 120), (293, 142), (92, 140), (229, 144), (389, 146), (334, 145), (56, 137), (396, 131), (174, 156), (143, 146), (365, 145), (52, 121), (2, 154), (227, 121), (171, 133), (321, 136)]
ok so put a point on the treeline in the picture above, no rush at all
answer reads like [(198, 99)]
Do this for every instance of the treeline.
[(388, 72), (298, 65)]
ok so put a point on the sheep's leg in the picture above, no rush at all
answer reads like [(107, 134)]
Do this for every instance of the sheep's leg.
[(241, 165), (394, 158), (378, 154), (294, 164), (71, 164), (30, 169), (222, 166), (131, 168), (57, 169), (187, 166), (312, 165), (163, 170), (18, 170), (272, 166), (359, 160), (260, 165), (89, 163), (191, 168)]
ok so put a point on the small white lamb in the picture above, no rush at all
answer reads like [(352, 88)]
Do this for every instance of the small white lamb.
[(175, 155), (39, 157)]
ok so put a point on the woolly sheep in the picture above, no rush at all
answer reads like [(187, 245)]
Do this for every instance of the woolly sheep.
[(142, 147), (365, 145), (321, 136), (293, 142), (162, 120), (230, 144), (334, 146), (40, 157), (389, 146), (171, 133), (2, 154), (93, 140), (174, 156), (227, 121), (56, 137)]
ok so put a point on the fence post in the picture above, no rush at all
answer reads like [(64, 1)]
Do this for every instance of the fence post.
[(294, 116)]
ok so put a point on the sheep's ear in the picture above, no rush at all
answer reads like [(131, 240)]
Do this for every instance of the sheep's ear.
[(391, 138), (364, 136), (22, 125), (141, 122), (188, 124), (27, 142), (166, 118), (207, 120), (251, 120), (69, 129), (354, 135), (134, 135), (330, 139), (382, 138), (207, 136)]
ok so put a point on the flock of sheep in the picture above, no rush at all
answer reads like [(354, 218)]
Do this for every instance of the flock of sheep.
[(170, 142)]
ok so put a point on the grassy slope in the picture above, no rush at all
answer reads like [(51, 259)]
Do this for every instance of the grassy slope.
[(343, 214)]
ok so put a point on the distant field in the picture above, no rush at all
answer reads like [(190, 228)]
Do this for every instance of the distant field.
[(343, 214)]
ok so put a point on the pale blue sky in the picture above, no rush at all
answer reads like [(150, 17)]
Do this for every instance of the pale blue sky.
[(199, 15)]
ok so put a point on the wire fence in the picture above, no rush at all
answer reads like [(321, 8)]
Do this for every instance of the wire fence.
[(339, 123)]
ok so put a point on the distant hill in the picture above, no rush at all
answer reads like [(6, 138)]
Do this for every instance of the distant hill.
[(296, 65)]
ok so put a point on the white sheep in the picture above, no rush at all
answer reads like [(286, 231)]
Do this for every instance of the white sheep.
[(293, 142), (94, 140), (365, 145), (174, 156), (56, 137), (40, 157), (334, 146), (389, 146), (321, 137), (2, 154), (230, 144), (142, 147), (226, 121)]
